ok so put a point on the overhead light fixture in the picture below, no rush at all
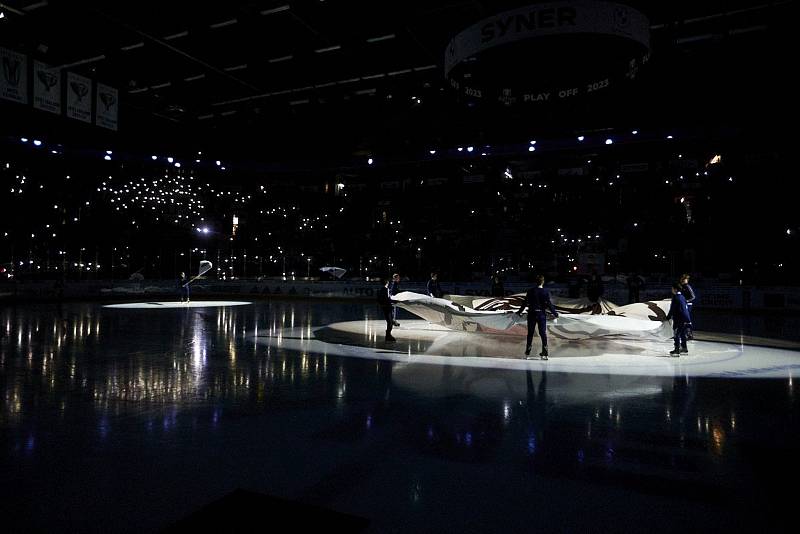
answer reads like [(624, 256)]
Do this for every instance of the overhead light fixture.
[(279, 59), (381, 38), (275, 10), (327, 49)]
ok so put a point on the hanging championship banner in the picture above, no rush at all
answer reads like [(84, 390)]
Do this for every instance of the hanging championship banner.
[(106, 110), (79, 97), (46, 88), (14, 78)]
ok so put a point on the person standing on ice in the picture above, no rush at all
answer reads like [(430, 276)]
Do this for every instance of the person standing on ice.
[(679, 313), (385, 304), (434, 290), (183, 287), (394, 289), (538, 302), (689, 294)]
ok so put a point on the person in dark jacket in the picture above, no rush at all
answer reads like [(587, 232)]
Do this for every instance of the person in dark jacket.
[(594, 289), (497, 289), (183, 287), (434, 290), (394, 289), (689, 295), (635, 283), (679, 313), (537, 300), (385, 304)]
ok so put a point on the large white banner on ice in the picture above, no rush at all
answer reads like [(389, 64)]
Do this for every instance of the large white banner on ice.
[(14, 79), (106, 110), (46, 87), (79, 97)]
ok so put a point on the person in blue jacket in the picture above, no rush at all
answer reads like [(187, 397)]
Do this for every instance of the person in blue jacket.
[(689, 294), (679, 313), (537, 300)]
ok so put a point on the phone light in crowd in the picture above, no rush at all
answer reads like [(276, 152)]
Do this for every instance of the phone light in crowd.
[(460, 149), (36, 142), (107, 157), (154, 158), (218, 163), (369, 161), (170, 160), (24, 139), (581, 138), (635, 132), (109, 152), (432, 152), (533, 142), (788, 231), (470, 149), (609, 141), (178, 165), (669, 137)]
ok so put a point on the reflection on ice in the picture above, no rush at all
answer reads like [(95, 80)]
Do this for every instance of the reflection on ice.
[(421, 342)]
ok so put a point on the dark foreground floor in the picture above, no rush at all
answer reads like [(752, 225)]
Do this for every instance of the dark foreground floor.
[(118, 420)]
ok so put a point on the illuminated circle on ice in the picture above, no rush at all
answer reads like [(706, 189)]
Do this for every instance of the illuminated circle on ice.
[(175, 304), (422, 342)]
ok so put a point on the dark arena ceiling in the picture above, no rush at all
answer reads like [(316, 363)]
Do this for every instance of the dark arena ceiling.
[(285, 77)]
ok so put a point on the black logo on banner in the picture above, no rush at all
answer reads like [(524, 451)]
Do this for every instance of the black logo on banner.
[(48, 79), (11, 70), (108, 100), (80, 90)]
